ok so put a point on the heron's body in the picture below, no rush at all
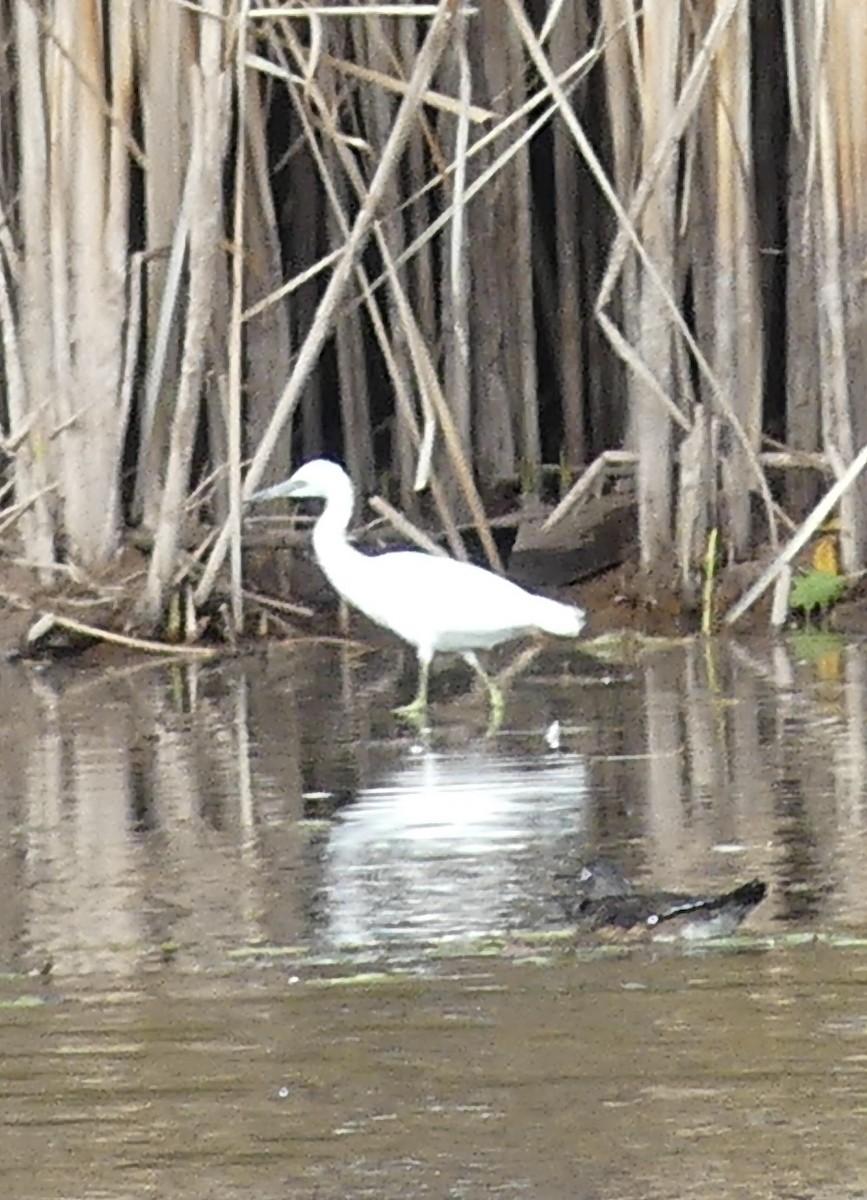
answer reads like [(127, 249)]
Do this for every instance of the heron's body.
[(437, 604)]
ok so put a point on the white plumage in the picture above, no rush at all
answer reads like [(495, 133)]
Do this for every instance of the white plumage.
[(438, 605)]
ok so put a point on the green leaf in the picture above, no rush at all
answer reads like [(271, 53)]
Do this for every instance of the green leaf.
[(816, 589)]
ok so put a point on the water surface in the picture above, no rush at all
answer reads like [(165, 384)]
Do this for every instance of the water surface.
[(259, 940)]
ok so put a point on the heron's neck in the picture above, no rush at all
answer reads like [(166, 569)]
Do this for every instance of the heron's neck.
[(329, 533)]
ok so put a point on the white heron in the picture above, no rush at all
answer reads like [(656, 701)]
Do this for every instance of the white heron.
[(437, 604)]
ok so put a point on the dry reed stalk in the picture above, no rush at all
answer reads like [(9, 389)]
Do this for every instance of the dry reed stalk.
[(652, 430), (384, 81), (831, 138), (11, 517), (737, 319), (267, 340), (496, 353), (163, 335), (793, 79), (388, 83), (312, 11), (525, 388), (215, 384), (622, 72), (846, 41), (589, 479), (236, 332), (32, 512), (429, 55), (305, 232), (132, 336), (568, 29), (643, 372), (209, 83), (694, 490), (49, 620), (421, 274), (30, 367), (352, 362), (292, 610), (87, 236), (404, 526), (164, 33), (803, 419), (456, 277), (409, 445)]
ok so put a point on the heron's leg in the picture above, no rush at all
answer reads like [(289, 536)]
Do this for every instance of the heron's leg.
[(417, 707), (495, 695)]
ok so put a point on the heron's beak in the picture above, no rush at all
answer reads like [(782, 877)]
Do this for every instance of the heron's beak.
[(276, 492)]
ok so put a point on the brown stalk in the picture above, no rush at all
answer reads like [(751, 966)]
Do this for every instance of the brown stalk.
[(209, 94), (163, 35), (236, 342), (737, 324)]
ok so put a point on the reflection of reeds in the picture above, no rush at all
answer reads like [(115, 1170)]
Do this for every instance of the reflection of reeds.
[(512, 239), (143, 807), (138, 808)]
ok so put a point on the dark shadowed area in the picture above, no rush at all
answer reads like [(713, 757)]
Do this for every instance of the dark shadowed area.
[(257, 940)]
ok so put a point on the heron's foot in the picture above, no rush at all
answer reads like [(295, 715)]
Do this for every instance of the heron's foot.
[(497, 709), (414, 713)]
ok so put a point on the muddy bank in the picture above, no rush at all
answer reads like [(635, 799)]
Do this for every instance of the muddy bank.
[(623, 598)]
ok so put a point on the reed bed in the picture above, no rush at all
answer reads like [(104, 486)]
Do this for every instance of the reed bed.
[(461, 245)]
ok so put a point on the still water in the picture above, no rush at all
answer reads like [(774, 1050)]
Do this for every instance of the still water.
[(257, 940)]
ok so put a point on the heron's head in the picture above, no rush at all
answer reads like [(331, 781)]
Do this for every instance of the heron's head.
[(318, 479)]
